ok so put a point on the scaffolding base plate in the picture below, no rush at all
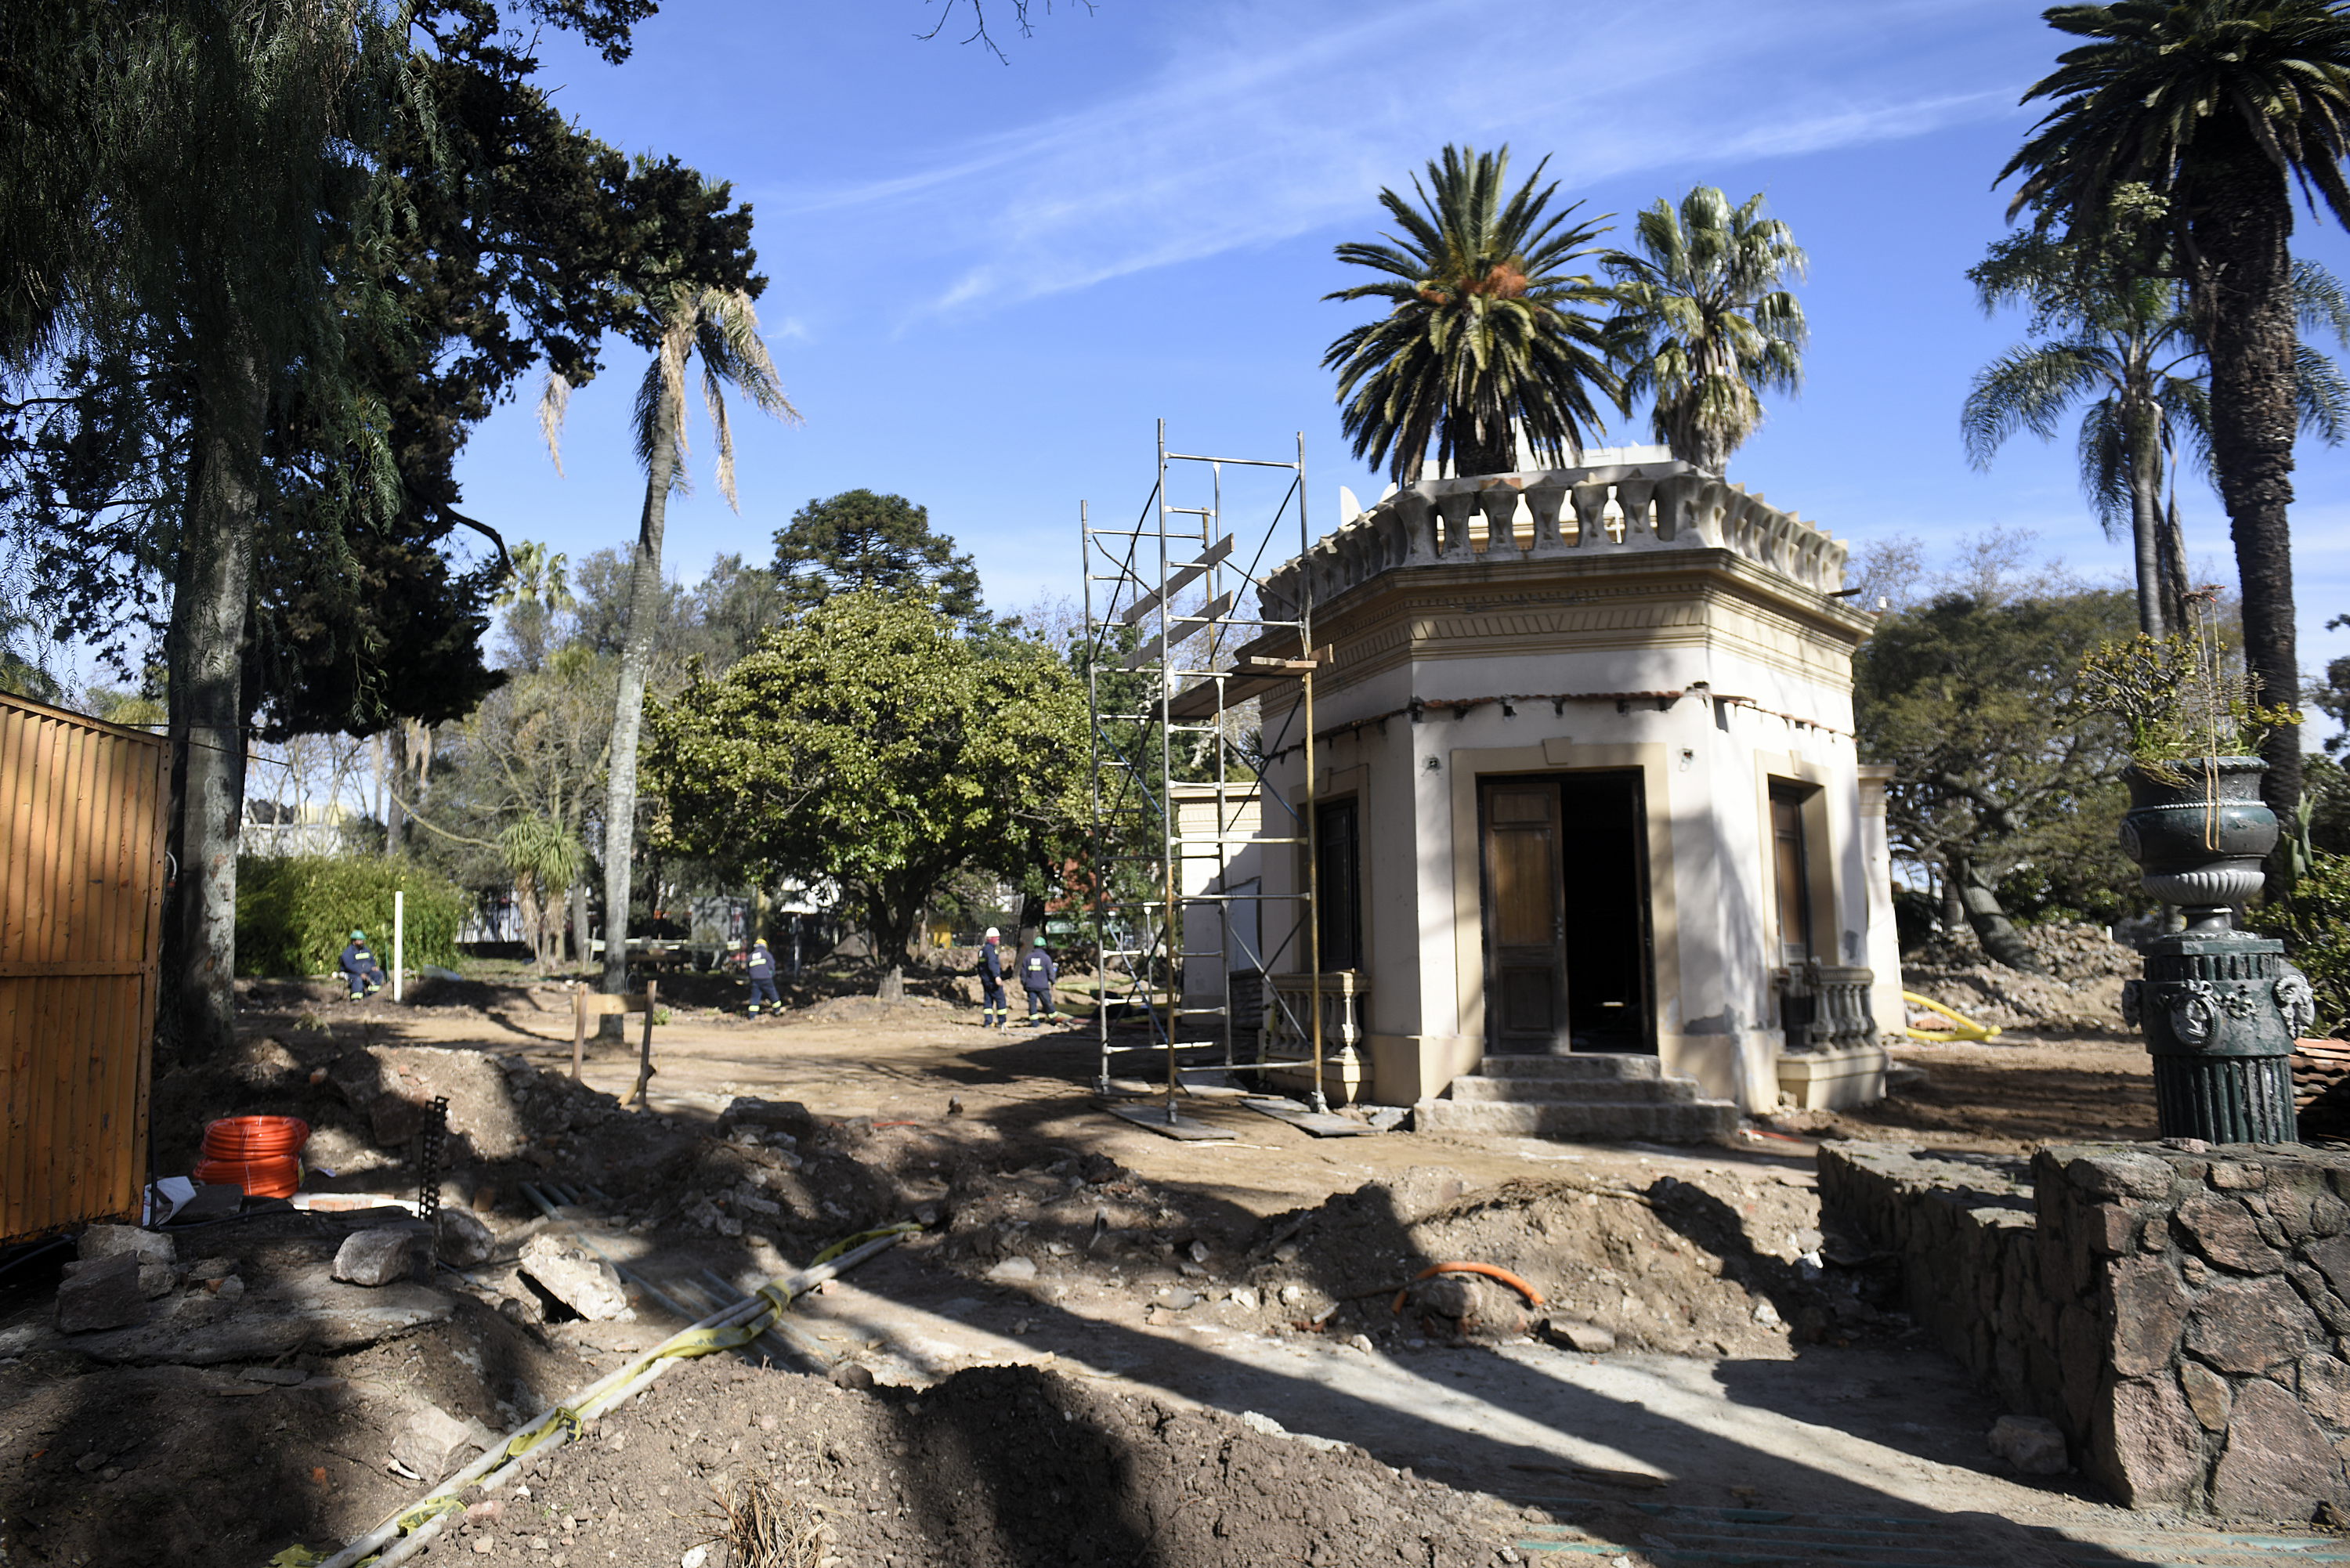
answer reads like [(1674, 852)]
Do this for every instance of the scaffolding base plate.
[(1321, 1124), (1183, 1128)]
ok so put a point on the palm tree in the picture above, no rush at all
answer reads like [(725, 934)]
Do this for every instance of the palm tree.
[(721, 326), (2214, 109), (1703, 320), (1484, 341), (2128, 338), (2126, 342)]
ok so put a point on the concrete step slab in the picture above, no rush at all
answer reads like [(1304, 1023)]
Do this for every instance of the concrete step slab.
[(1695, 1121), (1586, 1068), (1478, 1087)]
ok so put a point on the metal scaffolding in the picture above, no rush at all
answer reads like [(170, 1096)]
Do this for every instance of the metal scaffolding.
[(1170, 603)]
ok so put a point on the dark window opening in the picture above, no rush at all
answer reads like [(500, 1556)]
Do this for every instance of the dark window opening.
[(1338, 891)]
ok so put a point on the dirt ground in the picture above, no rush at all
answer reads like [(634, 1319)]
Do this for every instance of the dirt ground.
[(1105, 1345)]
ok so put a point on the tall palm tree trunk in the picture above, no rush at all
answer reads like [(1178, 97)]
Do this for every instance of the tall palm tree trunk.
[(2244, 275), (212, 596), (628, 710), (2146, 527)]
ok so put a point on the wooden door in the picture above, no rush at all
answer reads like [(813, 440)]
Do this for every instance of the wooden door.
[(1792, 874), (1525, 937)]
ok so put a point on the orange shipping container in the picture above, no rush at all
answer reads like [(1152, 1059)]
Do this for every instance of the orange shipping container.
[(81, 895)]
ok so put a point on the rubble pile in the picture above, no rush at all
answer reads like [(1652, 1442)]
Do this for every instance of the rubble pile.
[(2080, 994)]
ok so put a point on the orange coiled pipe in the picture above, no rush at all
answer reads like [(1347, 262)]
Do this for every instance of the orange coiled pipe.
[(1490, 1270), (259, 1154)]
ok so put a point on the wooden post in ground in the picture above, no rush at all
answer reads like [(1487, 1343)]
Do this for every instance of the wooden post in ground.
[(578, 1026), (645, 1056)]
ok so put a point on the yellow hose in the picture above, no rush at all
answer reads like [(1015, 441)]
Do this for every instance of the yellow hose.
[(1964, 1028)]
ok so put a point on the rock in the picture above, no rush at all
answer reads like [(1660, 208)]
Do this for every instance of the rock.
[(577, 1278), (694, 1558), (116, 1240), (2277, 1464), (2229, 1176), (101, 1293), (2252, 1326), (2148, 1448), (156, 1280), (788, 1116), (1244, 1298), (211, 1269), (2033, 1444), (381, 1255), (2131, 1176), (1015, 1270), (2325, 1388), (2208, 1394), (464, 1241), (2223, 1230), (2149, 1308), (431, 1442), (227, 1290), (850, 1375), (1573, 1333)]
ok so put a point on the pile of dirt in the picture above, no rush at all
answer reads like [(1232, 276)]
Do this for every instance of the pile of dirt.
[(1723, 1265), (912, 1009), (2080, 994), (993, 1467)]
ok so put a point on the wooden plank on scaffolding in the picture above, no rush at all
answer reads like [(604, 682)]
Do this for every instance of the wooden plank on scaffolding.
[(1181, 578), (1175, 1125), (1321, 1124)]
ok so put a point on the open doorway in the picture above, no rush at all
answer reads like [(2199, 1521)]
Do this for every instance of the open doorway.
[(1566, 939)]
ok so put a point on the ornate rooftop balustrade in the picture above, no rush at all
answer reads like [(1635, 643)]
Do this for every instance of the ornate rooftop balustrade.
[(1549, 513)]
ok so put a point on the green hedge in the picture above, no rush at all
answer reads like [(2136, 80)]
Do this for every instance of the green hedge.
[(2314, 924), (295, 912)]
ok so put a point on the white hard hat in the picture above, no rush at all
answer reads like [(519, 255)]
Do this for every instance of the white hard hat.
[(993, 934)]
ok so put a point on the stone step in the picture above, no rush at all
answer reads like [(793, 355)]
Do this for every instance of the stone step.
[(1694, 1121), (1479, 1087), (1585, 1067)]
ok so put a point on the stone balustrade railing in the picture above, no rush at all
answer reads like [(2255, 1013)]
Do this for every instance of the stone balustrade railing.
[(1837, 997), (1558, 512), (1284, 1032)]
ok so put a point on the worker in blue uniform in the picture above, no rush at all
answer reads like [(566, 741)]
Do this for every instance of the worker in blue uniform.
[(994, 1011), (1037, 974), (359, 969), (761, 968)]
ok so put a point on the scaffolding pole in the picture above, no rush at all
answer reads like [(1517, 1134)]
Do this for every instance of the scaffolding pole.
[(1171, 604)]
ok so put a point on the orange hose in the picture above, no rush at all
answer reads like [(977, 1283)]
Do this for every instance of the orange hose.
[(1490, 1270), (277, 1176), (256, 1137)]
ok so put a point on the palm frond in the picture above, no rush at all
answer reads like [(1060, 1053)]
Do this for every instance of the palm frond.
[(554, 401)]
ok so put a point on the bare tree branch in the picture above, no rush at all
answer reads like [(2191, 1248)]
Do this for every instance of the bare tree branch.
[(979, 31)]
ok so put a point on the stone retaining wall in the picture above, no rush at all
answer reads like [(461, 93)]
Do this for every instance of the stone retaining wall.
[(2176, 1311)]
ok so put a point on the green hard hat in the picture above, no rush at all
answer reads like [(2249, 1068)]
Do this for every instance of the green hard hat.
[(358, 936)]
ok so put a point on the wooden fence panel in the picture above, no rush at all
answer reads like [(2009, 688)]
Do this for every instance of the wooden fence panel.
[(81, 904)]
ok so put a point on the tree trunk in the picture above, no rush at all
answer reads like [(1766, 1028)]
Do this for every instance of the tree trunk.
[(578, 902), (2174, 565), (628, 711), (210, 601), (2243, 228), (395, 817), (1997, 933), (2146, 525)]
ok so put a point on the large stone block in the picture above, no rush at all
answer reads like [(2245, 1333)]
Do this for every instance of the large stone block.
[(2146, 1312), (2277, 1464), (2325, 1383), (2147, 1448), (115, 1241), (431, 1442), (2225, 1232), (2131, 1176), (383, 1253), (2252, 1325), (577, 1278), (104, 1293)]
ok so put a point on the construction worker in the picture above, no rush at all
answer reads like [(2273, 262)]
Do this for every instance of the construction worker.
[(1037, 973), (761, 968), (359, 968), (994, 1012)]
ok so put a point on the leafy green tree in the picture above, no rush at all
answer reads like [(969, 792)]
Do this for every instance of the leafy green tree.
[(858, 542), (720, 327), (2214, 110), (1968, 696), (1704, 320), (1486, 340), (870, 744)]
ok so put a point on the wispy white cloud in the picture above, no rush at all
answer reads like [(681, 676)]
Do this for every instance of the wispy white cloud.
[(1263, 123)]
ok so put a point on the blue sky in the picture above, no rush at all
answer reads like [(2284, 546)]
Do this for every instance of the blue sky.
[(988, 280)]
